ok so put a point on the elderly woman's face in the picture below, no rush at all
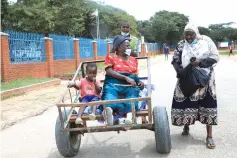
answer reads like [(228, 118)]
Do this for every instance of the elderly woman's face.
[(125, 45), (190, 36)]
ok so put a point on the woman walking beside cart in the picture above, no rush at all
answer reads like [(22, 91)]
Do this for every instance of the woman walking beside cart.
[(202, 104)]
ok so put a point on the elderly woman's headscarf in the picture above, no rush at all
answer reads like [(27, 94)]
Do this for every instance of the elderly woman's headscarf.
[(118, 40), (193, 28)]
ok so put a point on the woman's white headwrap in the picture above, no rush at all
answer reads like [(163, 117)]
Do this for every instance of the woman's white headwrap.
[(193, 28)]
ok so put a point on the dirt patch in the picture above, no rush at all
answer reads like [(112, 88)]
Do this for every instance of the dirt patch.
[(30, 104)]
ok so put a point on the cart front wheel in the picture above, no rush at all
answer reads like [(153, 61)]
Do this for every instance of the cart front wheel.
[(68, 143)]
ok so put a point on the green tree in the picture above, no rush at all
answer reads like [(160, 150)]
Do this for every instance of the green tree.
[(53, 16), (204, 31), (110, 19), (168, 26), (30, 16), (4, 12), (64, 17), (220, 26), (145, 27), (223, 32), (70, 17)]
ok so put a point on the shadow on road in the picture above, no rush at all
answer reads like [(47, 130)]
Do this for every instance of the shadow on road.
[(92, 147), (182, 142), (113, 150)]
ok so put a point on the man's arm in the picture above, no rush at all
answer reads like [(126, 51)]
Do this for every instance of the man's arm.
[(133, 45)]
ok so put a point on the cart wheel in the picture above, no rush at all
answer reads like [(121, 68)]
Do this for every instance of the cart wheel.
[(162, 130), (68, 143)]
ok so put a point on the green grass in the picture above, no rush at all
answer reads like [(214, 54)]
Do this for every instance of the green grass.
[(100, 66), (69, 73), (22, 82)]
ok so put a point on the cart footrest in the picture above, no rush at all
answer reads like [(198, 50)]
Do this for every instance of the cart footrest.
[(100, 117)]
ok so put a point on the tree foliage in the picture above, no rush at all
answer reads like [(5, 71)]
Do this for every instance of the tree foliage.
[(223, 32), (63, 17), (164, 26), (110, 19), (204, 31), (145, 27), (43, 16), (220, 32)]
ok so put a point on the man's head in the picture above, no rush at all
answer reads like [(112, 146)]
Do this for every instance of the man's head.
[(125, 28), (91, 71)]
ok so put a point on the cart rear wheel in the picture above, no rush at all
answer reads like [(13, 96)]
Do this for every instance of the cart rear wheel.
[(68, 143), (162, 130)]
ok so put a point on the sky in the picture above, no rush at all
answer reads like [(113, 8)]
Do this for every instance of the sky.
[(201, 12)]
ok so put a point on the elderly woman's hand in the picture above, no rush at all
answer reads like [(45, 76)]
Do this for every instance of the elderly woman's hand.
[(131, 81), (141, 85), (196, 62)]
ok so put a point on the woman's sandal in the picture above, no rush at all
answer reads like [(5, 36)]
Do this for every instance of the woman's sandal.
[(185, 131), (210, 143)]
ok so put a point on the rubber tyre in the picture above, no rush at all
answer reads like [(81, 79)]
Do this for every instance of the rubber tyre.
[(68, 144), (161, 129)]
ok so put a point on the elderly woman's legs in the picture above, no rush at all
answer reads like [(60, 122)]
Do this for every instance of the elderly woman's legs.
[(209, 141), (131, 92), (209, 131), (111, 92), (185, 130)]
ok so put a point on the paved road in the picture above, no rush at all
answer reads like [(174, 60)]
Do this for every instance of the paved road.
[(34, 137)]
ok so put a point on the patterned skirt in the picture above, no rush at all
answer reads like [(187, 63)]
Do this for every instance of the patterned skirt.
[(201, 106)]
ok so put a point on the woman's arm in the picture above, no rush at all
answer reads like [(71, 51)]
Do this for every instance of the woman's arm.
[(214, 53), (176, 62), (111, 72), (207, 63), (214, 56)]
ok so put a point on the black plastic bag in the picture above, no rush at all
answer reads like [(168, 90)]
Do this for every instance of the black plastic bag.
[(202, 76), (191, 79), (188, 81)]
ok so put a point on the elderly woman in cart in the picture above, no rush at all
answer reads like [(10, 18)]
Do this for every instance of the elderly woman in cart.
[(121, 80)]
